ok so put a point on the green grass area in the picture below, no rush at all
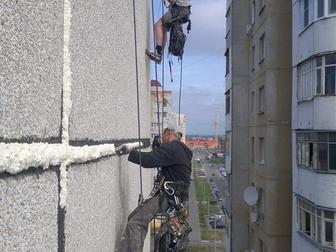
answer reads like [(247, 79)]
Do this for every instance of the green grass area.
[(203, 195), (204, 249), (217, 161)]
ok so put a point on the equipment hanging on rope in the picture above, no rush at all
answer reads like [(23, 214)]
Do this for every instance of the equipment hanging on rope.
[(172, 20)]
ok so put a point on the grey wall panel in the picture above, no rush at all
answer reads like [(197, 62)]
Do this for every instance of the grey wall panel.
[(103, 70), (29, 211), (100, 197), (31, 55)]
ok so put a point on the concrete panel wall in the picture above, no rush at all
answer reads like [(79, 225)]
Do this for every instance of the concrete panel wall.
[(316, 114), (29, 211), (31, 53), (34, 63), (317, 187), (103, 70)]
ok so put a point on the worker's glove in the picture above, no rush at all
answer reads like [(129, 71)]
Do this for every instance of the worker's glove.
[(127, 148), (156, 142), (123, 150)]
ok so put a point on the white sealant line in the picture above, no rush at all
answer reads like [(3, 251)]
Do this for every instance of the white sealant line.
[(67, 102)]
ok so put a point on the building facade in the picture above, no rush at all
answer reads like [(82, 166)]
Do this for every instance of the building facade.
[(162, 114), (258, 124), (67, 99), (314, 125)]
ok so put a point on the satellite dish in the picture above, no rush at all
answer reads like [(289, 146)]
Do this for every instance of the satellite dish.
[(251, 195)]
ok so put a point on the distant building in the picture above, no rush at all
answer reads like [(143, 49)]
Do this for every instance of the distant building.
[(258, 124), (314, 125), (201, 143), (162, 100)]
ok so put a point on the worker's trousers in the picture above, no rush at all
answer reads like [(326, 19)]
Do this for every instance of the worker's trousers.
[(137, 224)]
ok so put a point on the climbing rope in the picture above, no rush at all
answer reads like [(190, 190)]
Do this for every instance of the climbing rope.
[(156, 74), (180, 94), (138, 110)]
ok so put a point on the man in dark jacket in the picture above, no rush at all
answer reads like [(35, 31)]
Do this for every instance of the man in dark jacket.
[(174, 158)]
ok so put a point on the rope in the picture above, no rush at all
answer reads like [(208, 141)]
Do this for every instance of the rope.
[(180, 93), (156, 74), (138, 109), (163, 72)]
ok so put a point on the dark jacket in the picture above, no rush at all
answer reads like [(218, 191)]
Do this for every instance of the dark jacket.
[(173, 157)]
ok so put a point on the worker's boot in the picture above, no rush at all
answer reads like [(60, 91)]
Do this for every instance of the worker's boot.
[(156, 57)]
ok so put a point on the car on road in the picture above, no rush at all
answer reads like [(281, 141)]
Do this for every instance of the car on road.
[(217, 193), (213, 202), (217, 217), (223, 173), (217, 224)]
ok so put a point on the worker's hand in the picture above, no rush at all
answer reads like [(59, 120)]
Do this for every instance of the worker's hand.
[(127, 148), (156, 142), (123, 150)]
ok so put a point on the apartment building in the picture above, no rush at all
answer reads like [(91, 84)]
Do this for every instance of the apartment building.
[(314, 125), (258, 124), (162, 114)]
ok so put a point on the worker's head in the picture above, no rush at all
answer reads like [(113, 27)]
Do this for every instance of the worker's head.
[(170, 134)]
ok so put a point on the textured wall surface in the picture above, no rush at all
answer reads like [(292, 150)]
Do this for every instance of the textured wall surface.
[(103, 69), (35, 62), (31, 51), (28, 211)]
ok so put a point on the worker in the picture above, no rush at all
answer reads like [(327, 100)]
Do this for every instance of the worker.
[(178, 10), (174, 158)]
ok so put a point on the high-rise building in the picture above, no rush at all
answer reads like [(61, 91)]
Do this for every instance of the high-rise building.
[(314, 125), (162, 111), (258, 124)]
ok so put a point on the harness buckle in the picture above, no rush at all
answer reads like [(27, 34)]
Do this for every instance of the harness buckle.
[(169, 190)]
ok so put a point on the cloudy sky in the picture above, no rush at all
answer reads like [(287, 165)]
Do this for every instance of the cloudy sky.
[(203, 68)]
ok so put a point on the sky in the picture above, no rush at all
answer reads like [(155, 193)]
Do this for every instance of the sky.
[(203, 68)]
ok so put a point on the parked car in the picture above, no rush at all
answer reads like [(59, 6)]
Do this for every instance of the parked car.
[(224, 173), (216, 217), (213, 202), (217, 224), (217, 193)]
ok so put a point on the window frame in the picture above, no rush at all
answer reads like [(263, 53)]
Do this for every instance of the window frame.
[(329, 7), (261, 96), (228, 102), (227, 61), (261, 151), (321, 143), (262, 47), (318, 220)]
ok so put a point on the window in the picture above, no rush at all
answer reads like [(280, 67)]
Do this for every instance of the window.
[(252, 58), (261, 150), (164, 114), (316, 223), (252, 103), (261, 99), (262, 48), (261, 5), (252, 150), (330, 73), (227, 102), (316, 150), (227, 55), (320, 8), (262, 246), (305, 13), (165, 103), (312, 10), (317, 76), (253, 11), (332, 6)]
